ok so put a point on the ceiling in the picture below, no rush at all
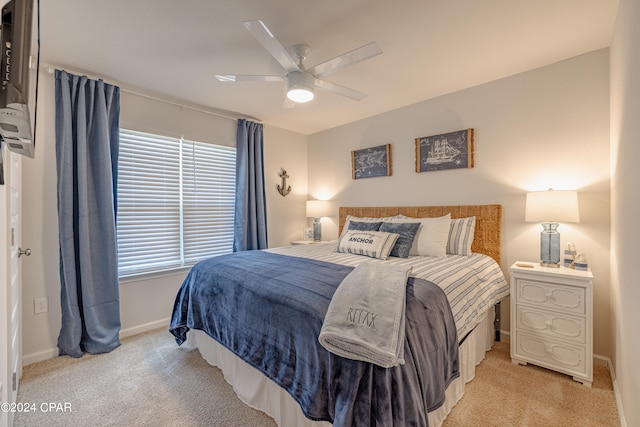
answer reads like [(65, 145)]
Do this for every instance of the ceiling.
[(173, 49)]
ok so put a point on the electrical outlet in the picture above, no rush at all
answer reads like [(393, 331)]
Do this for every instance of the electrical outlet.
[(41, 305)]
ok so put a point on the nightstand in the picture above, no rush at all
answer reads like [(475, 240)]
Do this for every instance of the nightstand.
[(552, 319), (305, 242)]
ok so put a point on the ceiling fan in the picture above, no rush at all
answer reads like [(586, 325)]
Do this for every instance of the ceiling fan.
[(301, 81)]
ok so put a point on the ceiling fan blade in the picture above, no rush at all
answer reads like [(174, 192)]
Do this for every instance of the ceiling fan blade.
[(287, 103), (340, 90), (357, 55), (271, 44), (244, 78)]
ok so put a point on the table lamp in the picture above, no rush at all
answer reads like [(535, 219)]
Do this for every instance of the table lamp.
[(551, 207), (317, 209)]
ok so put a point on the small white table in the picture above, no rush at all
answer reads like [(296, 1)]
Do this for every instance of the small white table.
[(552, 319)]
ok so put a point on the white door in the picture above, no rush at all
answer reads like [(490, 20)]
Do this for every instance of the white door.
[(10, 307)]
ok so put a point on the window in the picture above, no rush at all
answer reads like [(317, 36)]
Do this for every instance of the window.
[(175, 202)]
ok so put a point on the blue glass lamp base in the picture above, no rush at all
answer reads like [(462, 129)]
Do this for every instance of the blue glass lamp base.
[(317, 230), (550, 245)]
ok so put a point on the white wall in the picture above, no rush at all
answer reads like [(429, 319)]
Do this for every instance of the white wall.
[(285, 215), (40, 271), (548, 127), (147, 303), (625, 206)]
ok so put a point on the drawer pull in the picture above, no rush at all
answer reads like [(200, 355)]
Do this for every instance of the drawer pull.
[(549, 325)]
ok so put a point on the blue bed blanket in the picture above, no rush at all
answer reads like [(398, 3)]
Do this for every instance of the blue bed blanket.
[(268, 309)]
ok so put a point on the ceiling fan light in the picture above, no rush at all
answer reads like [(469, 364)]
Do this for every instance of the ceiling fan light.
[(300, 86), (300, 95)]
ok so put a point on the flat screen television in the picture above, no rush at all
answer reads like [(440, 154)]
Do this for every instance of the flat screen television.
[(15, 116)]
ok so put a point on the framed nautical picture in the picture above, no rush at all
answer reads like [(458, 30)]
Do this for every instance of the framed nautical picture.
[(370, 162), (453, 150)]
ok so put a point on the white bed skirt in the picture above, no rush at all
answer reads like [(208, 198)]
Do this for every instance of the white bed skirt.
[(259, 392)]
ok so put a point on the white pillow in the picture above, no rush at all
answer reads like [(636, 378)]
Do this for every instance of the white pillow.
[(350, 218), (432, 236), (374, 244), (461, 236)]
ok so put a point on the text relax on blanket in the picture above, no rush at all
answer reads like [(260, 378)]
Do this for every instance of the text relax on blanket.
[(366, 316)]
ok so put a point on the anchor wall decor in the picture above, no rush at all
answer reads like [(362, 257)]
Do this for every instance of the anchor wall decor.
[(284, 189)]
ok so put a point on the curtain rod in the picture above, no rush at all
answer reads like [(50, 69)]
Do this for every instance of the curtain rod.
[(220, 113)]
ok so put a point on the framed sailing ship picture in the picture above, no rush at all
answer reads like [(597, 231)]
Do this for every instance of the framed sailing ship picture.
[(453, 150), (370, 162)]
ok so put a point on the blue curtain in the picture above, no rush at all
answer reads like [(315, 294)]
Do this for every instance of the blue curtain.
[(250, 221), (87, 137)]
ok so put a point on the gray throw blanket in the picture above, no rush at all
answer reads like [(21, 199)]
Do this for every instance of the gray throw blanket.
[(366, 316)]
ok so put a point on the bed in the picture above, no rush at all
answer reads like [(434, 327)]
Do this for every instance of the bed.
[(289, 376)]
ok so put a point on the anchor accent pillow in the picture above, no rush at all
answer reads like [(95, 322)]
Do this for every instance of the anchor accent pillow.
[(374, 244)]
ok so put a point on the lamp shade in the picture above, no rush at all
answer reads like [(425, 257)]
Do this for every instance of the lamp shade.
[(318, 208), (552, 206)]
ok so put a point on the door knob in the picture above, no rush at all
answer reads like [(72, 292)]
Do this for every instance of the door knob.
[(26, 252)]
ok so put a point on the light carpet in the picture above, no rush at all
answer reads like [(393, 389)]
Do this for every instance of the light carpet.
[(149, 381), (506, 394)]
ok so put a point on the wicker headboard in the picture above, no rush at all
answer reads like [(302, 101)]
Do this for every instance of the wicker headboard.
[(487, 236)]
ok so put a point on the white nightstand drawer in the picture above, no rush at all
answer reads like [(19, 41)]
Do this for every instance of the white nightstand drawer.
[(551, 354), (547, 295), (551, 324)]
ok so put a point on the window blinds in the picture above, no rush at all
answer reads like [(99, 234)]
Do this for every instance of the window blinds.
[(175, 202), (208, 187)]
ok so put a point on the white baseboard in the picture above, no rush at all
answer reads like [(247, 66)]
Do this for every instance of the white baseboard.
[(29, 359), (39, 356), (604, 360), (135, 330)]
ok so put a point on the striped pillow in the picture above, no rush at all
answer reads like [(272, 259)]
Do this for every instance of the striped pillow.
[(374, 244), (461, 236)]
